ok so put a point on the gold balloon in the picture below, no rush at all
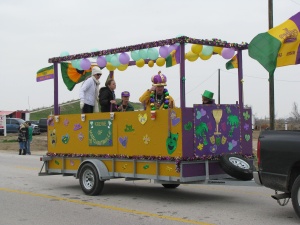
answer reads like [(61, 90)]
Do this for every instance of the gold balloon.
[(110, 67), (218, 50), (151, 63), (122, 67), (204, 57), (140, 63), (196, 49), (160, 61), (191, 56)]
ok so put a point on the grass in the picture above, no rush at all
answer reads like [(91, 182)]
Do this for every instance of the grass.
[(71, 107), (8, 141)]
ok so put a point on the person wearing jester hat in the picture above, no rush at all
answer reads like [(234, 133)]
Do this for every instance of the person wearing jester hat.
[(157, 97)]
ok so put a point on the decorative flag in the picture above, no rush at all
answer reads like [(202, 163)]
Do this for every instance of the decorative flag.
[(279, 46), (45, 74), (173, 58), (233, 63), (72, 76)]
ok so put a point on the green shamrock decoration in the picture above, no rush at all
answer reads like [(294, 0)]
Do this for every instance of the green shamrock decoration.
[(246, 115)]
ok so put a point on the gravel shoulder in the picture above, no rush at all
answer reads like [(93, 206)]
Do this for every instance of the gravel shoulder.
[(10, 144)]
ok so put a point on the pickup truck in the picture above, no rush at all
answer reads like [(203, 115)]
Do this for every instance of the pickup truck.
[(278, 165)]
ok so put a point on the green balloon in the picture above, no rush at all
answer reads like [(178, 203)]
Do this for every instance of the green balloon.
[(153, 53), (135, 55), (143, 53)]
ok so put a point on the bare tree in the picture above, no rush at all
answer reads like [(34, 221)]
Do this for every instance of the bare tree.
[(295, 112)]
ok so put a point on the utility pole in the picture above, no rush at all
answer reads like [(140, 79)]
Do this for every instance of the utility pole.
[(271, 76), (219, 87)]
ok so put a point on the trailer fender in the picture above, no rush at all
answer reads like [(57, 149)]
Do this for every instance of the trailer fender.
[(99, 165)]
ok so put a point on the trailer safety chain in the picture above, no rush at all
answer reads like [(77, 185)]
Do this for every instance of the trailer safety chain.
[(284, 202)]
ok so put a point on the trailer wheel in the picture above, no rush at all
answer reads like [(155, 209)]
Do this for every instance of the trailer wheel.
[(89, 180), (170, 186), (236, 166), (296, 196)]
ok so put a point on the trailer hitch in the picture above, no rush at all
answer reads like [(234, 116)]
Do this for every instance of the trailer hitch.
[(278, 197)]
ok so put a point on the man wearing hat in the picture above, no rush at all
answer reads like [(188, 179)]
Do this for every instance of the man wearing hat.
[(157, 97), (89, 92), (207, 97), (124, 105)]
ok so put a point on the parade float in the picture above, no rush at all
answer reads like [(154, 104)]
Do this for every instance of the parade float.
[(172, 146)]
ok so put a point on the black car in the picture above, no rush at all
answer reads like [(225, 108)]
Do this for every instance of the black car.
[(43, 125)]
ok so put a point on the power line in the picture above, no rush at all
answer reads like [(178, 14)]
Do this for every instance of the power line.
[(262, 78)]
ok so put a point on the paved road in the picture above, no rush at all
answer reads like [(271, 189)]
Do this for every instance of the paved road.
[(29, 199)]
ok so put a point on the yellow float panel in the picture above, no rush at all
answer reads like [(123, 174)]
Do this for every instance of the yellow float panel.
[(124, 167), (72, 164), (128, 133), (56, 163), (168, 169), (108, 164), (148, 168)]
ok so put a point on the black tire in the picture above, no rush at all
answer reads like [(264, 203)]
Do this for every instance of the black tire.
[(296, 196), (170, 186), (236, 166), (89, 180)]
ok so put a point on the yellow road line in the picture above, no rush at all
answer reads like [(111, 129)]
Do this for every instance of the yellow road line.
[(107, 207), (27, 168)]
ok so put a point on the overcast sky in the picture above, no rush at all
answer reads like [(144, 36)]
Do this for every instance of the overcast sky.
[(34, 31)]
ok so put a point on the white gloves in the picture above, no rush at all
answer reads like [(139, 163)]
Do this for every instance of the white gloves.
[(81, 104)]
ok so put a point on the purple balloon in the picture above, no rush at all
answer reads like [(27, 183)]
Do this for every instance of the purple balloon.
[(163, 51), (227, 53), (172, 47), (85, 64), (124, 58), (101, 61)]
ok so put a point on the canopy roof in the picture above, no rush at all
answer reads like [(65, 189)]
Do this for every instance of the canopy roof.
[(182, 39)]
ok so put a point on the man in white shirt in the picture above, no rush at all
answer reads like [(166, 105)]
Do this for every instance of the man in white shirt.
[(89, 92)]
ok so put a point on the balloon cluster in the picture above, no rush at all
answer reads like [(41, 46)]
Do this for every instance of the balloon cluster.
[(205, 52), (151, 47)]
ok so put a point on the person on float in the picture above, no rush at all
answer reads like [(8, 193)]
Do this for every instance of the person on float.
[(207, 98), (157, 97), (107, 98), (89, 92), (124, 105)]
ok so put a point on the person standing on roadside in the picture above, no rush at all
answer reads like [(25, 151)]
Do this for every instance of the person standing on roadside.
[(89, 92), (29, 139), (23, 132)]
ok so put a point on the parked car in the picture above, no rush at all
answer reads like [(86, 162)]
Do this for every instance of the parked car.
[(12, 125), (35, 127), (43, 125)]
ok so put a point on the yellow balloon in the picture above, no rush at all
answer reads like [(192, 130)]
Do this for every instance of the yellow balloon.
[(160, 61), (140, 63), (204, 57), (218, 50), (191, 56), (122, 67), (196, 49), (151, 63), (110, 67)]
